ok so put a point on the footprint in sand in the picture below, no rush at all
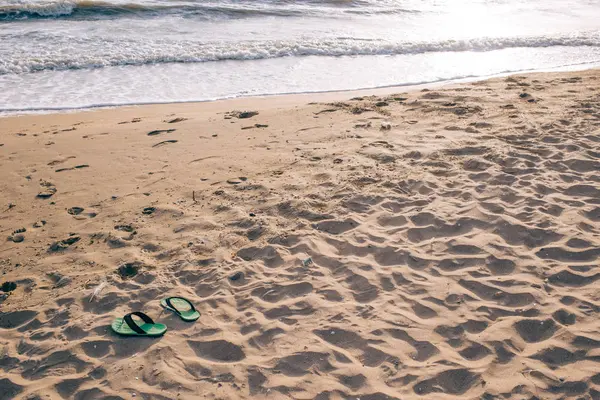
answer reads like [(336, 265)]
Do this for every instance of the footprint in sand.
[(129, 270), (237, 181), (148, 210), (133, 121), (60, 161), (125, 228), (8, 287), (63, 244), (75, 210), (16, 238), (128, 229), (218, 350), (176, 120), (48, 190)]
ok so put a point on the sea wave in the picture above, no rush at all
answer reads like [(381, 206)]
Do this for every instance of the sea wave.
[(141, 52), (98, 9), (23, 9)]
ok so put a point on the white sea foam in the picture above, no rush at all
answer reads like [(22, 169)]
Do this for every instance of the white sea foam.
[(140, 52)]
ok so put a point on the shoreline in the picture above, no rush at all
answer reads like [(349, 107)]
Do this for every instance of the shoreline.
[(441, 243), (295, 98)]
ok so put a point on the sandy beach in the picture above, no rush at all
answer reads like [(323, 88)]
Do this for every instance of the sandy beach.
[(440, 243)]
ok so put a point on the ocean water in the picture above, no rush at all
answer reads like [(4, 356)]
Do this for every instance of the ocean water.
[(57, 54)]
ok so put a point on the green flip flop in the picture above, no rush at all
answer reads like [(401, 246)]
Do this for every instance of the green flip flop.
[(182, 307), (126, 326)]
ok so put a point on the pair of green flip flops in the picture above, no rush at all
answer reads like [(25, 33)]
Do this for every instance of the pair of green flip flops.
[(127, 326)]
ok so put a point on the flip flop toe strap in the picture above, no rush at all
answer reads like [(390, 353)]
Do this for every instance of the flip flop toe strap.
[(135, 327), (170, 304)]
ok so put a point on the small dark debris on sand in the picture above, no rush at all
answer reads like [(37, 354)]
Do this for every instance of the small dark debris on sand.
[(8, 286), (148, 210), (159, 131), (20, 230), (255, 126), (528, 97), (236, 277), (75, 210), (164, 142), (39, 224), (129, 270), (240, 114), (63, 244), (73, 168)]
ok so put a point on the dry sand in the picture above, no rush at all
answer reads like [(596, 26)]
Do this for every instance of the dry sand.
[(454, 236)]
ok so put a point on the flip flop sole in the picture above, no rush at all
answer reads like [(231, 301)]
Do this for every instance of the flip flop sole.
[(152, 330), (188, 315)]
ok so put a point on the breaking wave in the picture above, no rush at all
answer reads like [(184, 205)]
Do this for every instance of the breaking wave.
[(142, 52)]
